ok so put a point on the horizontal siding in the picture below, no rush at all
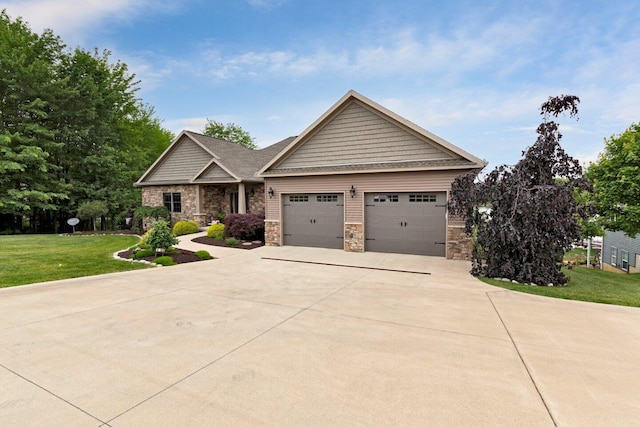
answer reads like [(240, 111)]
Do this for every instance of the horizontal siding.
[(624, 243), (357, 136), (354, 207), (182, 163)]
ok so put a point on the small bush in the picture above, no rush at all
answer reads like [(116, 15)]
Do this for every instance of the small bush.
[(143, 253), (216, 231), (245, 226), (232, 241), (185, 227), (203, 255), (164, 260), (161, 236)]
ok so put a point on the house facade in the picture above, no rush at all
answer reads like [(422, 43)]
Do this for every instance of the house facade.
[(620, 253), (360, 178)]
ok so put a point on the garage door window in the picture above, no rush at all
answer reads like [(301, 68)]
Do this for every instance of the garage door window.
[(422, 198), (324, 198), (299, 198), (383, 198)]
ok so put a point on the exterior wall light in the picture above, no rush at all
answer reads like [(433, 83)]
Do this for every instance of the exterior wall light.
[(270, 192), (352, 191)]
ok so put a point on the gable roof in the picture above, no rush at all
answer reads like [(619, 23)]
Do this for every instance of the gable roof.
[(357, 135), (196, 158)]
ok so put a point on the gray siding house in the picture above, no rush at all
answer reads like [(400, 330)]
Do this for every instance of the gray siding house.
[(360, 178), (620, 252)]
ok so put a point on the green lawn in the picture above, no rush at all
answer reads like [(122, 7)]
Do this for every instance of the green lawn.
[(43, 257), (587, 285)]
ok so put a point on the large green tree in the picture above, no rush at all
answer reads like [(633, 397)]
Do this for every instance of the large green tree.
[(229, 132), (28, 182), (72, 130), (616, 182)]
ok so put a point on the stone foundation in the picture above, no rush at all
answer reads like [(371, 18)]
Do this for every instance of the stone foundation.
[(353, 238), (272, 233), (459, 245)]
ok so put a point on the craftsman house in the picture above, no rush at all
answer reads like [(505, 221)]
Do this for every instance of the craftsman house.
[(360, 178)]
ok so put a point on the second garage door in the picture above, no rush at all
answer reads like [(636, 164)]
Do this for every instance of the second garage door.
[(410, 223), (315, 220)]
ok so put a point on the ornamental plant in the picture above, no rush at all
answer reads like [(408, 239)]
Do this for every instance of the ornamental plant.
[(248, 226), (185, 227), (216, 231), (523, 217), (161, 236)]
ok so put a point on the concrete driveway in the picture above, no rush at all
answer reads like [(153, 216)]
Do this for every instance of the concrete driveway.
[(263, 338)]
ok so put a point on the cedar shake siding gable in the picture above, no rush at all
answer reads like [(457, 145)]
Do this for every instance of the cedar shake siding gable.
[(185, 160)]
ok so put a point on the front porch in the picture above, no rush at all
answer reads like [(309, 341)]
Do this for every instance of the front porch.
[(203, 203)]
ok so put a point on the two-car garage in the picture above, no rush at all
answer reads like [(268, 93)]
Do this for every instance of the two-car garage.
[(411, 223), (362, 178)]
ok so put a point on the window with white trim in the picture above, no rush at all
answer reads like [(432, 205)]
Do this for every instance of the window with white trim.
[(614, 256), (625, 260)]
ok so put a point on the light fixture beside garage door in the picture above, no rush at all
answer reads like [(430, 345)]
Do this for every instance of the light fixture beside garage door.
[(270, 192), (352, 191)]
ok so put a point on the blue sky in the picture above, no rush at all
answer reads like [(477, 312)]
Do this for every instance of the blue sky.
[(472, 72)]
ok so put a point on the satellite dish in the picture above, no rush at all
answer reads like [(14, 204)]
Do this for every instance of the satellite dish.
[(73, 222)]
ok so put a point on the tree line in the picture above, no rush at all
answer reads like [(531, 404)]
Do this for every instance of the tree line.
[(73, 134)]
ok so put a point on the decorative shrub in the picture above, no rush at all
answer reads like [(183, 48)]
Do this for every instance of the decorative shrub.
[(216, 231), (164, 260), (143, 253), (220, 216), (203, 255), (161, 236), (185, 227), (232, 241), (248, 226)]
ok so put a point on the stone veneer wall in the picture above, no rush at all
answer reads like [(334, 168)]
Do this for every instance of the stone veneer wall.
[(459, 245), (353, 238), (152, 196), (272, 233)]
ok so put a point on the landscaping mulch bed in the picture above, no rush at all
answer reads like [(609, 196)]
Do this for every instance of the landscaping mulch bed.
[(242, 245), (181, 256)]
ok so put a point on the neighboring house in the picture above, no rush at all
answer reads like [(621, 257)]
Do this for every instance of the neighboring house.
[(620, 252), (360, 178)]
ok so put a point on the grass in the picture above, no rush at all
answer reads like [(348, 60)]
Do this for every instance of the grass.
[(43, 257), (586, 284)]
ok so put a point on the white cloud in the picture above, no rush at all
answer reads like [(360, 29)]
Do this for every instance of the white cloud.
[(71, 18), (266, 4)]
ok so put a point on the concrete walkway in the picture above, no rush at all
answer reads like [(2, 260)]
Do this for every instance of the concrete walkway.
[(263, 338)]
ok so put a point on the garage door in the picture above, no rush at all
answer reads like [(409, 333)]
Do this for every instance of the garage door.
[(315, 220), (408, 223)]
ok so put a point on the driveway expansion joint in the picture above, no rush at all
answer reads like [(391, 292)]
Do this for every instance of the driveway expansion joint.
[(395, 270), (526, 367), (51, 393)]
